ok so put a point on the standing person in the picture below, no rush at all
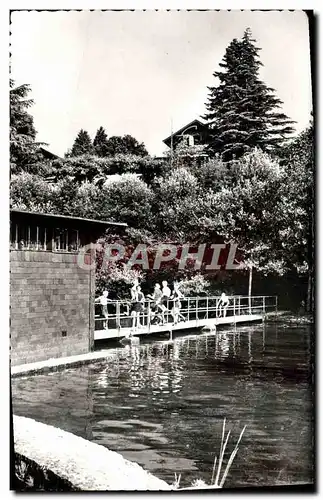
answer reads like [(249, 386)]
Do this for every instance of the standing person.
[(177, 305), (138, 299), (166, 293), (176, 311), (156, 307), (103, 301), (224, 302)]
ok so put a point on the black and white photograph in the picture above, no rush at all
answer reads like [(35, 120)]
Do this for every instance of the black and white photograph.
[(162, 250)]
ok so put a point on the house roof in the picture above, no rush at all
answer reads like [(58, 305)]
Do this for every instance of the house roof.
[(181, 130), (48, 154), (57, 217)]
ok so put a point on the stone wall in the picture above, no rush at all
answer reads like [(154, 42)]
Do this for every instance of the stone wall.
[(46, 456), (51, 306)]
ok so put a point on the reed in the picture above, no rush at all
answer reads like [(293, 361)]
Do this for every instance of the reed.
[(217, 480)]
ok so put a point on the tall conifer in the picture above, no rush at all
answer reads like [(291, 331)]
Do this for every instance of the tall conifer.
[(100, 142), (82, 144), (242, 112)]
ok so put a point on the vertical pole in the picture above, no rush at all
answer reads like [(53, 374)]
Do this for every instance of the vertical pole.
[(16, 237), (28, 238), (234, 306), (188, 309), (264, 304), (37, 237), (239, 305), (196, 309), (276, 304), (250, 287), (118, 317), (148, 317), (45, 239), (207, 307)]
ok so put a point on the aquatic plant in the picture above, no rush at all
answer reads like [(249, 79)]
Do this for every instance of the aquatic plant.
[(216, 480)]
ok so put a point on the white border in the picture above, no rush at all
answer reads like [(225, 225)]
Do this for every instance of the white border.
[(315, 5)]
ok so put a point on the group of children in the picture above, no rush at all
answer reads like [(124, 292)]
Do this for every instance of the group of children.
[(159, 306), (160, 300)]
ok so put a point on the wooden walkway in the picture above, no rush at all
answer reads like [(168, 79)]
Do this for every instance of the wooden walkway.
[(199, 312)]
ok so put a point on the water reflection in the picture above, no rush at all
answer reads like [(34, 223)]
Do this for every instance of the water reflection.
[(162, 404)]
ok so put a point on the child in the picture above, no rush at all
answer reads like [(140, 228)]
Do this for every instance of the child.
[(138, 300), (176, 310), (166, 293), (156, 308), (224, 302), (103, 300)]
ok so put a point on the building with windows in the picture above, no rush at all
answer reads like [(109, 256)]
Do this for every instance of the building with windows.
[(51, 292), (192, 134)]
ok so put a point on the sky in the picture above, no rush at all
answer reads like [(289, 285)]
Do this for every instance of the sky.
[(138, 72)]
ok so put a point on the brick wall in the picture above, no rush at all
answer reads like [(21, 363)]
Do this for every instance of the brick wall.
[(49, 295)]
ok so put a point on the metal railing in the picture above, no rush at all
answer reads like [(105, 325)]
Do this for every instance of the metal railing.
[(193, 309)]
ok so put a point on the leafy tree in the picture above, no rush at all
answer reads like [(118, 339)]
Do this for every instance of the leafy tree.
[(100, 142), (151, 169), (250, 211), (177, 205), (125, 145), (298, 231), (31, 192), (126, 198), (82, 144), (24, 150), (242, 112)]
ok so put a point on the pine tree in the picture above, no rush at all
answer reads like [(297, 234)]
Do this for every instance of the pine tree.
[(100, 142), (243, 113), (82, 144), (24, 150)]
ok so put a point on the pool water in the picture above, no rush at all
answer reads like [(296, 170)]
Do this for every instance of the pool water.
[(162, 404)]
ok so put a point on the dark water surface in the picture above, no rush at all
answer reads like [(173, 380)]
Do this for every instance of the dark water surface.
[(162, 404)]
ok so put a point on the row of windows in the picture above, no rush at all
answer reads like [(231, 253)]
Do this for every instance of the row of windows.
[(23, 237)]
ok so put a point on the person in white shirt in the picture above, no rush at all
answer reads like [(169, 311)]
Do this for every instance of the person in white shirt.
[(166, 293), (103, 301), (224, 302)]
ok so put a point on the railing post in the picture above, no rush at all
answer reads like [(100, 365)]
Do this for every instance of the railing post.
[(264, 304), (188, 309), (118, 317), (234, 306), (148, 317), (167, 312), (196, 309), (239, 299), (207, 307), (276, 305)]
